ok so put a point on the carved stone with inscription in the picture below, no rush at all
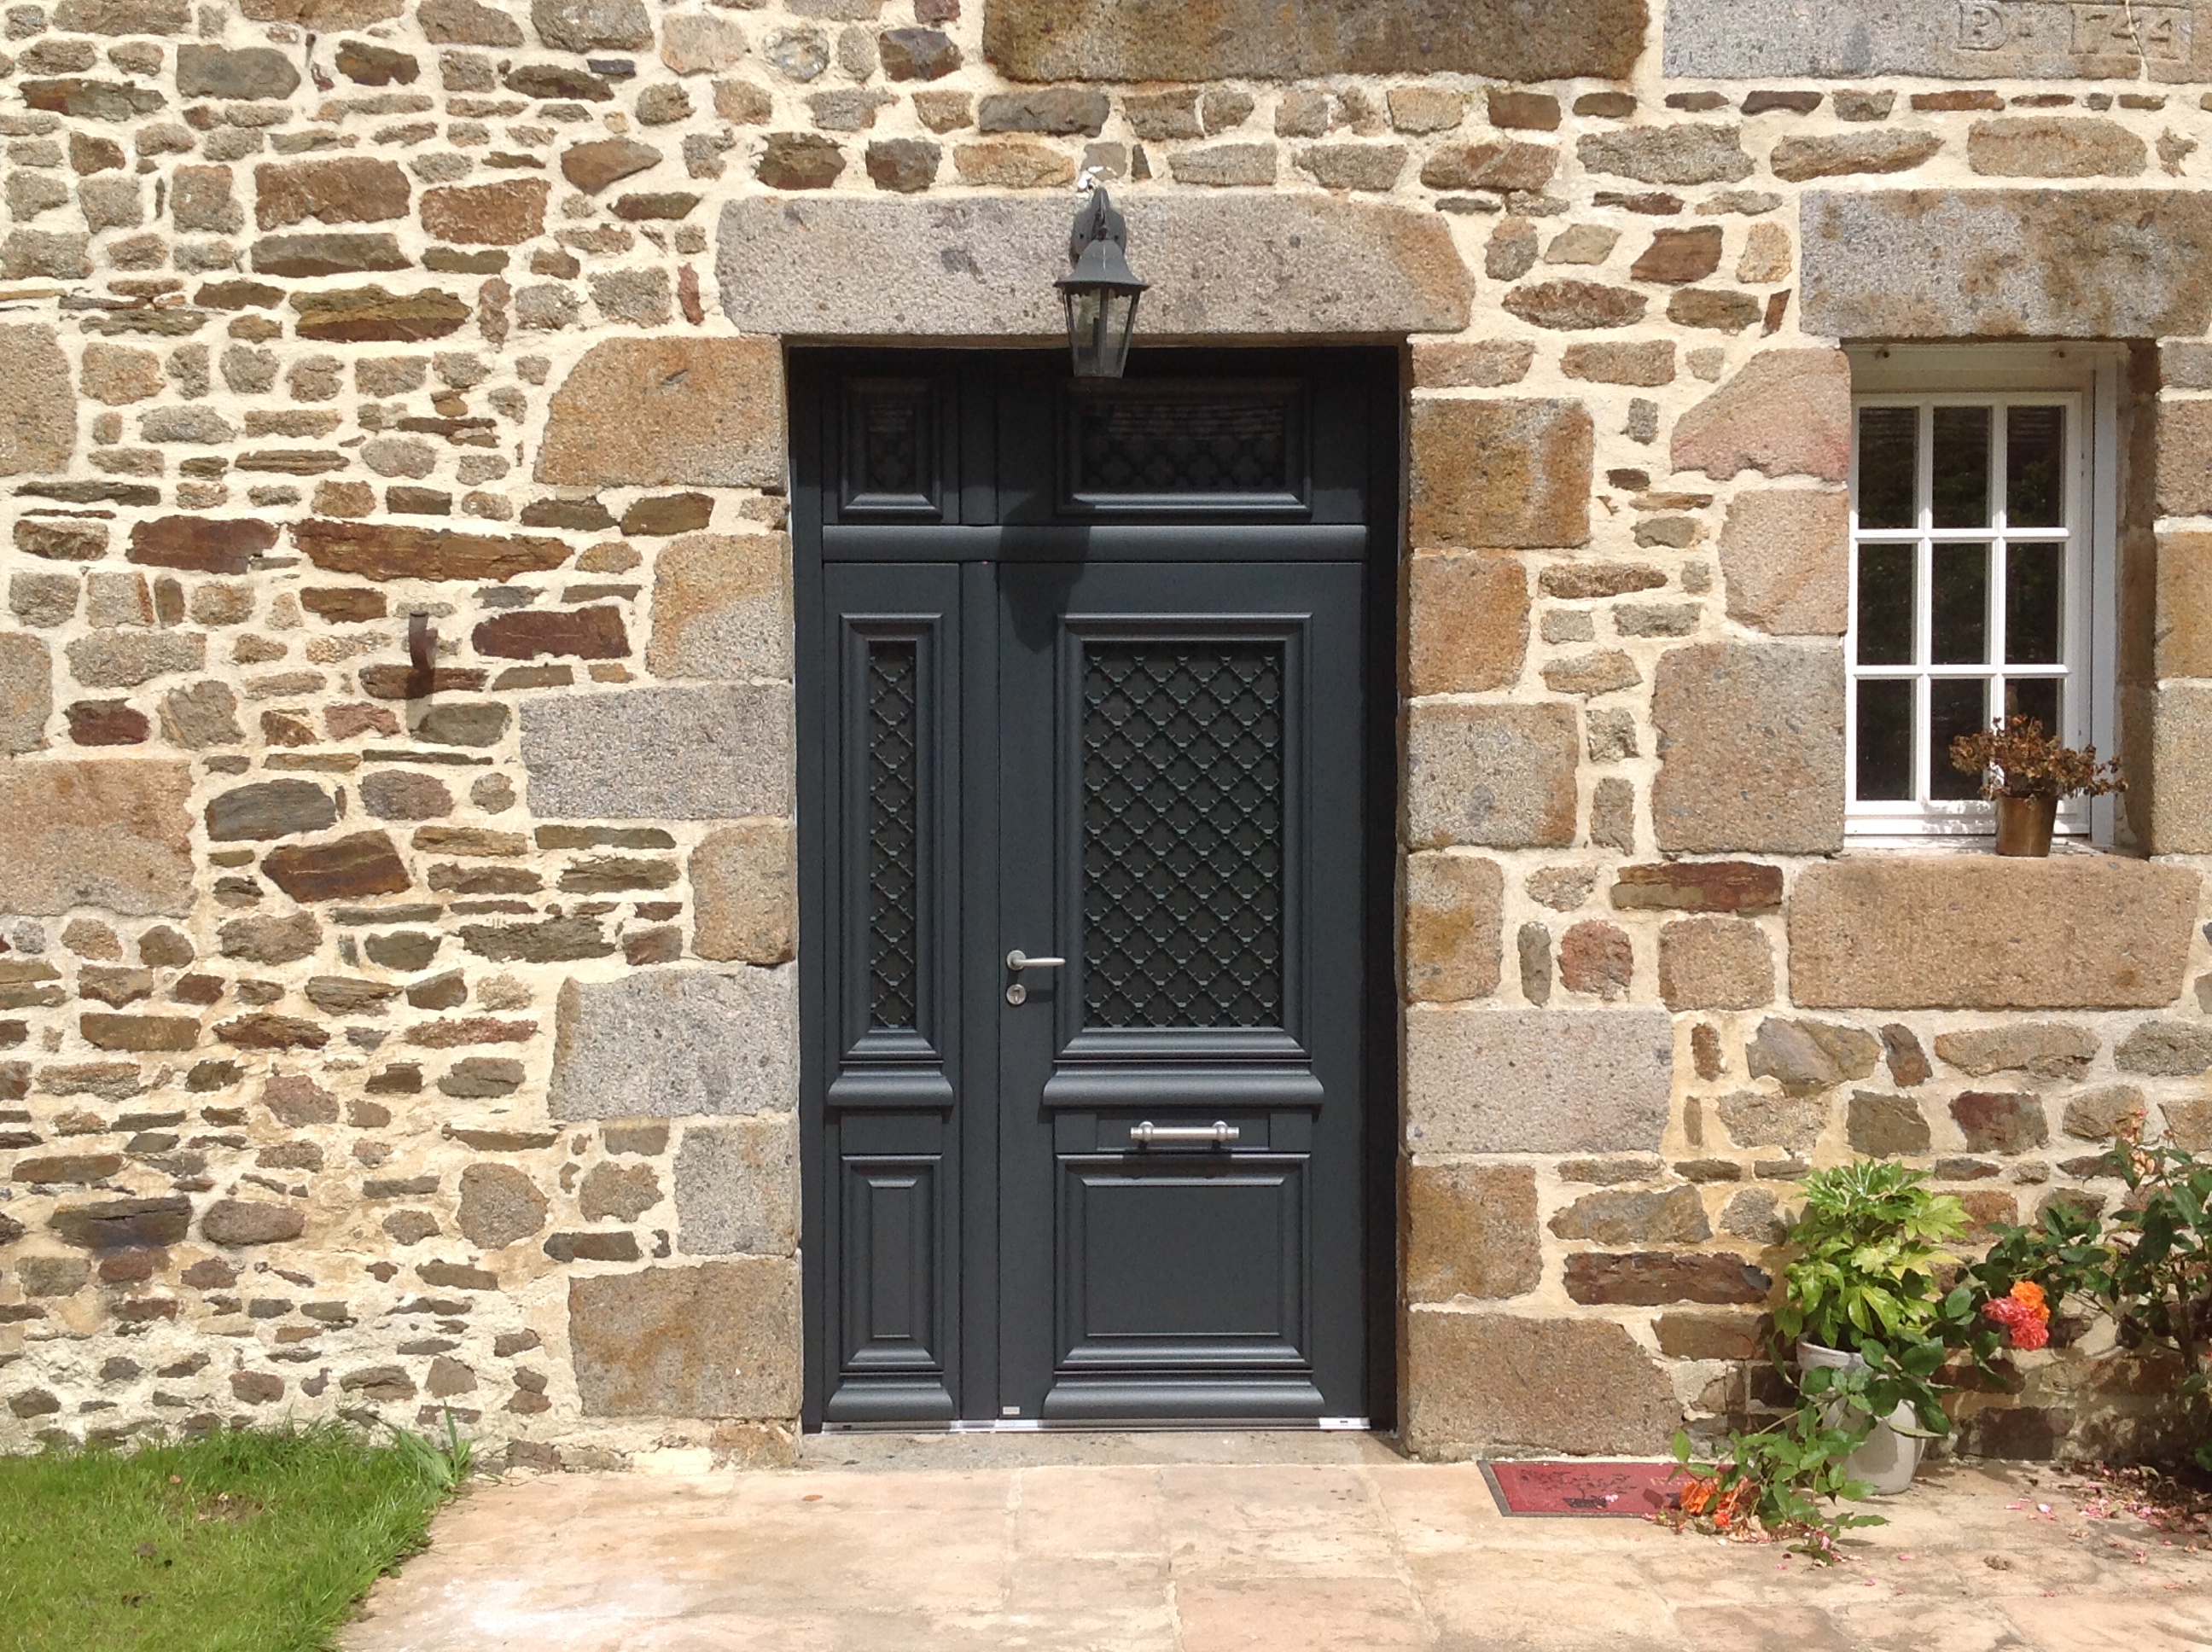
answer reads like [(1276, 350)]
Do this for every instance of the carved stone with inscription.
[(1948, 40)]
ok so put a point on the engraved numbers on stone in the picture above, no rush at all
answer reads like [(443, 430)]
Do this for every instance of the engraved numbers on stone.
[(2161, 33)]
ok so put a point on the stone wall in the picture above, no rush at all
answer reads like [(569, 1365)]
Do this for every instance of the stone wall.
[(380, 1036)]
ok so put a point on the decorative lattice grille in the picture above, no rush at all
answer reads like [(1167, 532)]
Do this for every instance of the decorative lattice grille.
[(1182, 834), (894, 832), (890, 445), (1142, 444)]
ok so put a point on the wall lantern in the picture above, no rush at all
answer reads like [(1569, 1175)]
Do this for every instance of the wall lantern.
[(1101, 291)]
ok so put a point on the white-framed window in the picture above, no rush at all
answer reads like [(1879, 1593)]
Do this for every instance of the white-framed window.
[(1983, 509)]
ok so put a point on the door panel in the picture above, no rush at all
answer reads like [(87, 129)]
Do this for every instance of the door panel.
[(1168, 1261), (1180, 742), (1085, 673), (892, 1278), (892, 1008)]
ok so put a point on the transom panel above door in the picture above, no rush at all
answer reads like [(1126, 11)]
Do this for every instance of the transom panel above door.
[(1094, 888)]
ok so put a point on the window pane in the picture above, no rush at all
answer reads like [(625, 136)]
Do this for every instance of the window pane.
[(2034, 583), (1885, 757), (2035, 466), (1962, 467), (1886, 604), (1889, 471), (1960, 606), (2036, 697), (1956, 706)]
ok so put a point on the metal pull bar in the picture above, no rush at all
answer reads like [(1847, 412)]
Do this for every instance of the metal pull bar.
[(1019, 961), (1219, 1134)]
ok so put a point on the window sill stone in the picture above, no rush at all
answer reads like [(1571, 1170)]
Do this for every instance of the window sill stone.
[(1963, 931)]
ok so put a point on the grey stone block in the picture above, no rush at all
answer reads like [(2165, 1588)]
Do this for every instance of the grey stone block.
[(110, 833), (1478, 1382), (2074, 931), (26, 692), (40, 431), (2166, 1049), (1751, 748), (2184, 364), (736, 1187), (720, 1339), (2007, 264), (1299, 39), (1537, 1081), (1501, 776), (2180, 792), (661, 411), (1668, 154), (673, 1043), (1283, 264), (722, 607), (720, 752), (1986, 40)]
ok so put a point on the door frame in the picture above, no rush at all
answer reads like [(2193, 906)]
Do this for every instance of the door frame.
[(1381, 375)]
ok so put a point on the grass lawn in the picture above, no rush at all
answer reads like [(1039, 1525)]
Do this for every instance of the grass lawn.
[(259, 1542)]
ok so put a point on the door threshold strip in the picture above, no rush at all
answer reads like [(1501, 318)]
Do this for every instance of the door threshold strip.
[(1188, 1426)]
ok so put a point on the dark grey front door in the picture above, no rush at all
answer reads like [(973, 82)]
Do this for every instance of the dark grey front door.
[(1089, 889)]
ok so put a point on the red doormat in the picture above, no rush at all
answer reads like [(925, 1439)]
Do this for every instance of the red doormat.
[(1584, 1489)]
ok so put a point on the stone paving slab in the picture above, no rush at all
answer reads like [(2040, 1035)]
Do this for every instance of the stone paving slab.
[(1186, 1544)]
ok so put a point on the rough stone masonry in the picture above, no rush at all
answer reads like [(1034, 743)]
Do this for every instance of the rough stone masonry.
[(375, 1039)]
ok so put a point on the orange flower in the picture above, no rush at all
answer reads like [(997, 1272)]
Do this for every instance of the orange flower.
[(2031, 1293)]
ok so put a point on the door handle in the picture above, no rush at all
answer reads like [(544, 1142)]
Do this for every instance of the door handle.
[(1219, 1134), (1017, 961)]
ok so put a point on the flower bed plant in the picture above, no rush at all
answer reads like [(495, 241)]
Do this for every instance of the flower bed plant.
[(1869, 1273), (1865, 1278), (2147, 1264)]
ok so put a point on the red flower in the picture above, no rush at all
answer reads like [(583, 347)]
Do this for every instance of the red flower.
[(2024, 1315)]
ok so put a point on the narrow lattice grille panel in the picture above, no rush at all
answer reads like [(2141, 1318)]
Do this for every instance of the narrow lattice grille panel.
[(1182, 834), (890, 452), (1138, 445), (894, 721)]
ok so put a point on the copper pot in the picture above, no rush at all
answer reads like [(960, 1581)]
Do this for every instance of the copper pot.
[(2024, 825)]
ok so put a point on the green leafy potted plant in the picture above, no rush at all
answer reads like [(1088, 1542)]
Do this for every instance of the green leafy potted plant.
[(2027, 774), (2147, 1264), (1864, 1306)]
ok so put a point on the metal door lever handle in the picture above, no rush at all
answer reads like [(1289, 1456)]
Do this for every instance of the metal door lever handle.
[(1019, 961), (1219, 1134)]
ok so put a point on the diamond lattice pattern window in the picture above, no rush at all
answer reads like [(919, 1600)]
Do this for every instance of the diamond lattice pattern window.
[(1182, 834), (1970, 585)]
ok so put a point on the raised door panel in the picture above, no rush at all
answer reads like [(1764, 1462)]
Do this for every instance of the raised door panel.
[(892, 1021), (1181, 1095)]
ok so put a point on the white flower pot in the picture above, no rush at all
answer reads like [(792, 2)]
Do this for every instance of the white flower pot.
[(1887, 1460)]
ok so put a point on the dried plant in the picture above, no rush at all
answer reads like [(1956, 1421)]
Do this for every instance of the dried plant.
[(2017, 759)]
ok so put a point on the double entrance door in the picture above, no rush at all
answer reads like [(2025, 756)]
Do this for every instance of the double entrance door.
[(1088, 887)]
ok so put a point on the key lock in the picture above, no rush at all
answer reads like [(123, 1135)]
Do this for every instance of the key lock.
[(1017, 961)]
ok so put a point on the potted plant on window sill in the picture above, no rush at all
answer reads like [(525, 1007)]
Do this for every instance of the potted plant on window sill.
[(1863, 1303), (2027, 773)]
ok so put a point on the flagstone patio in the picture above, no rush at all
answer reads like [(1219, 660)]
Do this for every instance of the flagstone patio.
[(1205, 1543)]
